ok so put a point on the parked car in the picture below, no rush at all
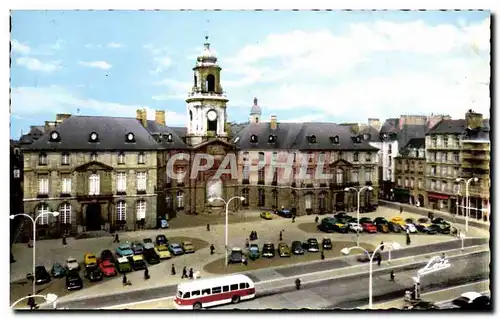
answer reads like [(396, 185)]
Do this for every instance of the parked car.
[(253, 251), (268, 250), (327, 225), (411, 228), (123, 265), (395, 228), (108, 268), (266, 215), (283, 250), (285, 213), (364, 258), (422, 224), (398, 220), (150, 254), (137, 248), (369, 228), (363, 220), (72, 264), (297, 248), (380, 220), (341, 227), (138, 263), (124, 250), (326, 243), (161, 240), (432, 229), (341, 215), (409, 221), (444, 227), (163, 252), (107, 255), (236, 256), (473, 301), (147, 240), (58, 271), (42, 276), (383, 228), (74, 281), (93, 273), (355, 227), (188, 247), (89, 260), (175, 249), (312, 245)]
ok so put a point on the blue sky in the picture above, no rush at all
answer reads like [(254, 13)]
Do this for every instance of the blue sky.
[(303, 66)]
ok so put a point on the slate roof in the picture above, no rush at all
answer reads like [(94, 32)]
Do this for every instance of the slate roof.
[(448, 127), (295, 136), (74, 134), (416, 143)]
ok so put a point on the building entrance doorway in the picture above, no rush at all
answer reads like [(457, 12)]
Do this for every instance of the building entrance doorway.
[(93, 217)]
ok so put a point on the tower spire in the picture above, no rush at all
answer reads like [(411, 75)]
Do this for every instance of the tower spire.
[(207, 44)]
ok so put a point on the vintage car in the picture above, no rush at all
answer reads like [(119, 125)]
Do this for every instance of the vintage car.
[(58, 271), (93, 273), (138, 262), (107, 255), (398, 220), (161, 240), (123, 265), (326, 243), (355, 227), (268, 250), (124, 250), (236, 256), (163, 252), (42, 276), (283, 250), (73, 280), (253, 251), (312, 245), (108, 268), (188, 247), (72, 264), (150, 254), (175, 249), (266, 215), (137, 248), (369, 227), (89, 260), (297, 248)]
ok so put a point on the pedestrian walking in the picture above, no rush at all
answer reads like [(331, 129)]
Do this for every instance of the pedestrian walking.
[(408, 240), (146, 274), (173, 270), (281, 235), (297, 283), (64, 242), (316, 220), (392, 275), (124, 279), (117, 238), (208, 227), (293, 219), (255, 235), (247, 243), (322, 255), (191, 273), (184, 273), (212, 249), (382, 246), (401, 209)]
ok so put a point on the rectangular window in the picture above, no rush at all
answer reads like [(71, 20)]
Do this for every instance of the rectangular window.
[(262, 173), (399, 182), (43, 185), (17, 173), (141, 209), (412, 181), (456, 157), (66, 184), (368, 175), (433, 185), (310, 173), (355, 176), (195, 293), (65, 159), (216, 290), (121, 182), (368, 157), (141, 181), (180, 175), (420, 184), (246, 172), (205, 292), (243, 285), (444, 187), (445, 141), (445, 157), (407, 182), (94, 184), (42, 159), (121, 210), (141, 159), (225, 288), (339, 176), (121, 158), (234, 287)]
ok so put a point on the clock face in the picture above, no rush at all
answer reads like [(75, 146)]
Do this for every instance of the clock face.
[(212, 115), (130, 136), (93, 136), (54, 135)]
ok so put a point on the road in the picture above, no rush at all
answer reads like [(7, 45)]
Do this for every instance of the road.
[(347, 293), (119, 298)]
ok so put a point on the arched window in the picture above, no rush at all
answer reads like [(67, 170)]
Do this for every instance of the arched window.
[(121, 210), (308, 201), (94, 184), (180, 200), (43, 209), (65, 213), (262, 198), (190, 115), (140, 209), (246, 194), (168, 201), (339, 176), (210, 84), (195, 80)]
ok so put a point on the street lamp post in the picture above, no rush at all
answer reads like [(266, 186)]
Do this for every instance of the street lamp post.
[(227, 215), (467, 199), (346, 251), (55, 214), (359, 198)]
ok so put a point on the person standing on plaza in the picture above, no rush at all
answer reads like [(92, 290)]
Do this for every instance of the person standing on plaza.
[(208, 227), (191, 273), (173, 270), (281, 235), (316, 220), (322, 255), (392, 275), (212, 249), (379, 259), (117, 238), (64, 242)]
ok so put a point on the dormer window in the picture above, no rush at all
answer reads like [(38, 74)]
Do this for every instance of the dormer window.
[(141, 158), (170, 138), (93, 137), (93, 157), (54, 137), (357, 139), (254, 138), (367, 136), (312, 139), (335, 139), (121, 158), (272, 138), (310, 157), (130, 138)]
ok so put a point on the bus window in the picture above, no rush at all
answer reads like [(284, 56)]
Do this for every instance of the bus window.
[(179, 294), (243, 285), (225, 289), (247, 285), (234, 287), (216, 290), (187, 295), (195, 293), (205, 291)]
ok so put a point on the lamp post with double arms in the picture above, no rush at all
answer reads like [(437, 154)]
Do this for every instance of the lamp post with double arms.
[(359, 199), (392, 246), (227, 215), (467, 198), (55, 214)]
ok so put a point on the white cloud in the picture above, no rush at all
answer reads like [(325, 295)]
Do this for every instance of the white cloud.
[(37, 65), (19, 47), (54, 99), (373, 69), (103, 65), (93, 46), (162, 64), (115, 45)]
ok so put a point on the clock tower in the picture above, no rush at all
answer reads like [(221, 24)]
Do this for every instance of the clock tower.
[(206, 103)]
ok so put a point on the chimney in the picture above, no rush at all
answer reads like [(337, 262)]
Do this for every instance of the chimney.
[(474, 120), (160, 117), (274, 122), (50, 125), (138, 115), (375, 123), (62, 117), (142, 116)]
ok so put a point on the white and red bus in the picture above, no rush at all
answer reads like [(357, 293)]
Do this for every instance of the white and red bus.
[(211, 292)]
